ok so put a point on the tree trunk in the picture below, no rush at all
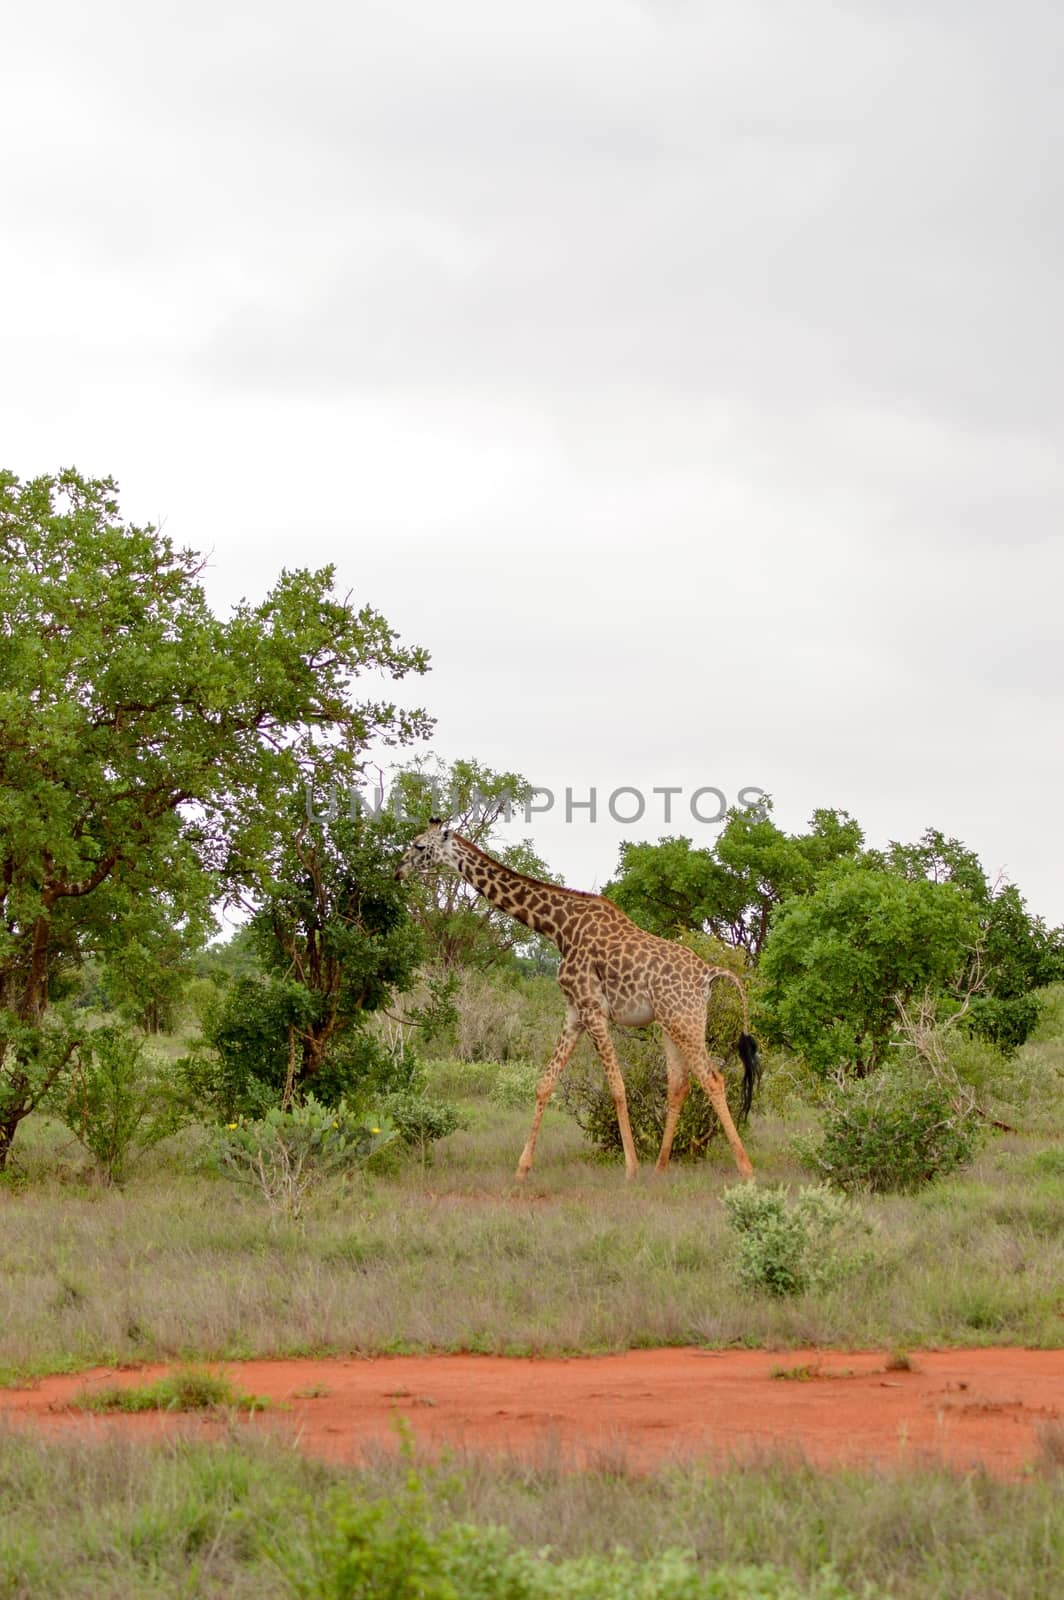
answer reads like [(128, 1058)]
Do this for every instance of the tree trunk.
[(290, 1076), (18, 1103), (34, 996)]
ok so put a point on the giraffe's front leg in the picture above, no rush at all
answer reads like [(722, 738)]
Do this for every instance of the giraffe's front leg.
[(544, 1089)]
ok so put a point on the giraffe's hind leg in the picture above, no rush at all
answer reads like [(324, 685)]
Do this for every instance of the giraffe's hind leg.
[(570, 1034), (597, 1026), (679, 1089), (709, 1075)]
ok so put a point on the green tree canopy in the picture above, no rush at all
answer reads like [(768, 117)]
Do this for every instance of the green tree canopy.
[(729, 889), (837, 959), (143, 740), (1015, 953), (334, 942)]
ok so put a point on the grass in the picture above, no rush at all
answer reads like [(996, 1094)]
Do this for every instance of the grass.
[(811, 1371), (252, 1518), (181, 1265), (190, 1390)]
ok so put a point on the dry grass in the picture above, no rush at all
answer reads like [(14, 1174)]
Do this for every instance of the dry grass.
[(182, 1265), (112, 1517), (1050, 1437)]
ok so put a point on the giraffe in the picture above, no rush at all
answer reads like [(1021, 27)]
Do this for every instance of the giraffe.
[(610, 971)]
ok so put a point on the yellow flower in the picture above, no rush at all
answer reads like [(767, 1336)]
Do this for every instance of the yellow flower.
[(232, 1124), (374, 1130)]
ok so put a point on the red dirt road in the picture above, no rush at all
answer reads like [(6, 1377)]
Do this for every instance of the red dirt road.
[(962, 1408)]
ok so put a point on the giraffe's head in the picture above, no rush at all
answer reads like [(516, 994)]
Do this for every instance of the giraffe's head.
[(429, 849)]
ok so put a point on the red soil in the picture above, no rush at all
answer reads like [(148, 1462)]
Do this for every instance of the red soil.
[(963, 1408)]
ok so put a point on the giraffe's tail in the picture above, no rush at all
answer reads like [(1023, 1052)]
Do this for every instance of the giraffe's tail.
[(751, 1072), (747, 1044)]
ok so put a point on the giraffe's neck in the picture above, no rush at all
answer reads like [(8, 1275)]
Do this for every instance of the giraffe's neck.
[(540, 906)]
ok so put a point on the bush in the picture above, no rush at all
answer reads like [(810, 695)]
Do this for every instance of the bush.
[(419, 1121), (1050, 1025), (502, 1017), (239, 1068), (287, 1154), (1005, 1023), (505, 1083), (585, 1094), (514, 1084), (785, 1247), (893, 1132), (387, 1547), (116, 1101), (461, 1080), (489, 1025), (241, 1065)]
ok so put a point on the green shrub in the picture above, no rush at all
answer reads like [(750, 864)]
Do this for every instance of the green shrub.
[(514, 1084), (116, 1101), (1005, 1023), (784, 1247), (191, 1389), (240, 1067), (893, 1132), (1050, 1025), (287, 1154), (461, 1080), (1004, 1084), (504, 1083), (418, 1120), (387, 1548), (585, 1094)]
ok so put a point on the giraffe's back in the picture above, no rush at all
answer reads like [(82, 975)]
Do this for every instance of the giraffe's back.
[(641, 978)]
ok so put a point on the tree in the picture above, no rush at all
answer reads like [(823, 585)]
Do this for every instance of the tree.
[(1015, 953), (143, 740), (226, 960), (671, 885), (768, 867), (941, 860), (730, 889), (838, 959), (334, 942), (144, 980)]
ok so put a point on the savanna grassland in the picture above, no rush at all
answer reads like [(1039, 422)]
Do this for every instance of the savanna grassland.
[(443, 1254), (248, 1518), (449, 1256), (446, 1253)]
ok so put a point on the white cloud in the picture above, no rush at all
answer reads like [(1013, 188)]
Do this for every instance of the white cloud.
[(687, 378)]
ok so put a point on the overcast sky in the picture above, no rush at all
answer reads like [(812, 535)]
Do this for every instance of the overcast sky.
[(686, 376)]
